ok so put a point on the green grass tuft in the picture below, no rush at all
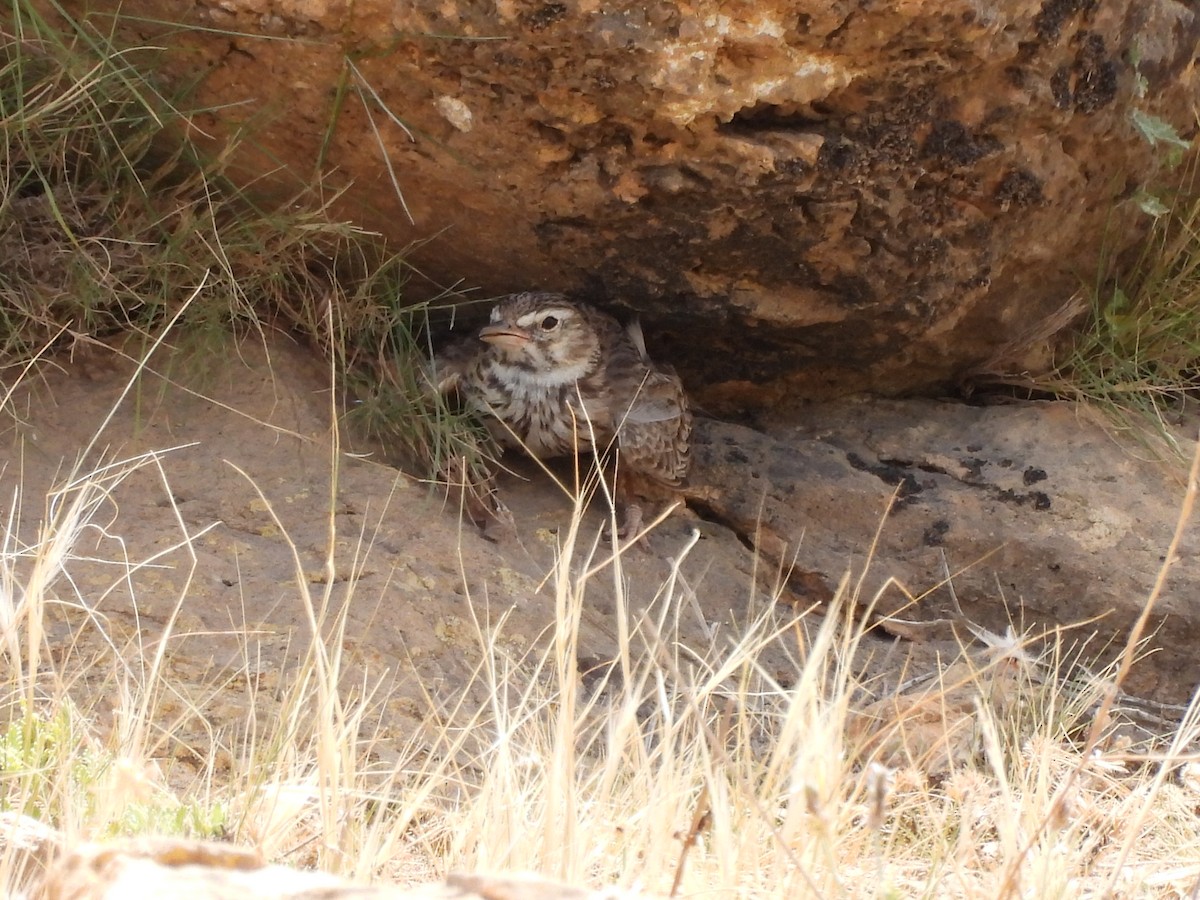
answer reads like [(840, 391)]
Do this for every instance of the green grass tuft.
[(1138, 359)]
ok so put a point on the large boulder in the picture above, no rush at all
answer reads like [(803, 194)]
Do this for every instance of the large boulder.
[(794, 194)]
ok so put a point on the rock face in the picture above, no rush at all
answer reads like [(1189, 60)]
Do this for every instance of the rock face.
[(795, 194), (1043, 520)]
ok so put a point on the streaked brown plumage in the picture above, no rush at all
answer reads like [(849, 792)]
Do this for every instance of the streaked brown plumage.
[(557, 377)]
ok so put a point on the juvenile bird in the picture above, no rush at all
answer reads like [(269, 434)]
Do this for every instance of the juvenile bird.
[(557, 378)]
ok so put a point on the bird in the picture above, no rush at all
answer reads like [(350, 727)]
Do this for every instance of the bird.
[(558, 377)]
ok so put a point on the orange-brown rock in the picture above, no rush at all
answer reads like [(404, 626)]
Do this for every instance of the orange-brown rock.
[(794, 193), (152, 867)]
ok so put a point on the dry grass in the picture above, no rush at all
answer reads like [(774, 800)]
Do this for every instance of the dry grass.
[(113, 224)]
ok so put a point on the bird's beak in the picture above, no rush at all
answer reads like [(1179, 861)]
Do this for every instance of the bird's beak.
[(507, 337)]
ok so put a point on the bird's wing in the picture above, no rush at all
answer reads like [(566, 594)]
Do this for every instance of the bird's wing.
[(654, 433), (645, 411), (450, 365), (660, 449), (658, 399), (634, 330)]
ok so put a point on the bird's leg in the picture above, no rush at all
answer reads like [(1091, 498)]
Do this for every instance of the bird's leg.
[(480, 498), (629, 521), (627, 509)]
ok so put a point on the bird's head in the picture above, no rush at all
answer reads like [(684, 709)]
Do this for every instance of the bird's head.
[(543, 334)]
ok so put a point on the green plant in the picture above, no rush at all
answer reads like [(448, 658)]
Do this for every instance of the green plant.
[(1139, 357), (45, 758)]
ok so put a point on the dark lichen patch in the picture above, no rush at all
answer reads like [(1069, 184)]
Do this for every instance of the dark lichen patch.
[(1094, 74), (953, 143), (544, 16), (1039, 500), (837, 155), (1060, 87), (884, 134), (1033, 476), (891, 474), (1049, 21), (1019, 188), (926, 251), (935, 534), (1090, 82), (889, 143)]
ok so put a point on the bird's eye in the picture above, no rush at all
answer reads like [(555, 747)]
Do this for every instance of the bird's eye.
[(549, 323)]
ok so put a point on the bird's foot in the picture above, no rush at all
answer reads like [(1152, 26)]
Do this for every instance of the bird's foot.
[(631, 521), (626, 529)]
